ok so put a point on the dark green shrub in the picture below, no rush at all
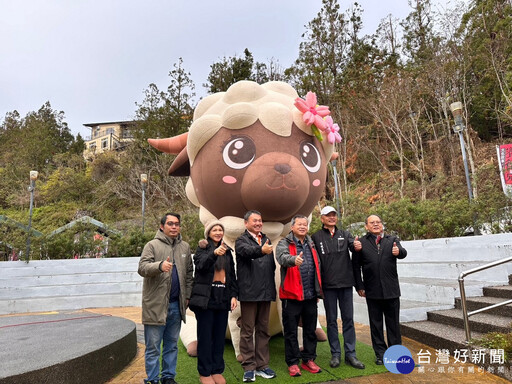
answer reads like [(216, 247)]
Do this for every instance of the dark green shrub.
[(129, 244), (496, 340)]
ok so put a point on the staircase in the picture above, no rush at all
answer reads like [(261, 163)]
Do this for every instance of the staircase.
[(429, 274), (444, 329)]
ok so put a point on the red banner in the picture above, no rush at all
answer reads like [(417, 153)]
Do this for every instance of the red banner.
[(505, 163)]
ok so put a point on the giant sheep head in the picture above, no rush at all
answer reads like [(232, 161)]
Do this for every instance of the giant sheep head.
[(249, 148)]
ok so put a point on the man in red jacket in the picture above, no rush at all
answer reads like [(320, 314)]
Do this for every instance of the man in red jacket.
[(300, 289)]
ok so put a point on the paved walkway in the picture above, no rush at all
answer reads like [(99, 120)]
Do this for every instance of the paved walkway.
[(434, 373)]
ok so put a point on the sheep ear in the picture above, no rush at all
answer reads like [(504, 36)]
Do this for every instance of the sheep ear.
[(181, 165)]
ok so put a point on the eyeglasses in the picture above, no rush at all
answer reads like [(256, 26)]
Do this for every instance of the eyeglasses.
[(173, 223)]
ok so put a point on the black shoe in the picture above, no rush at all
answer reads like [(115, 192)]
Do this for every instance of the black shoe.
[(352, 360), (379, 361), (169, 380), (335, 362)]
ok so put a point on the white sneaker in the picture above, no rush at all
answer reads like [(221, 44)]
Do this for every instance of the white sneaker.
[(266, 373)]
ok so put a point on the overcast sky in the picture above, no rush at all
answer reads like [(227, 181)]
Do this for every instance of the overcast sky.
[(93, 59)]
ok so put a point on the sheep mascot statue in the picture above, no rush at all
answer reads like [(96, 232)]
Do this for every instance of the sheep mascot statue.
[(253, 147)]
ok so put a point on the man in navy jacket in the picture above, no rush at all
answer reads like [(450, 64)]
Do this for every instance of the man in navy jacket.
[(333, 245), (376, 256)]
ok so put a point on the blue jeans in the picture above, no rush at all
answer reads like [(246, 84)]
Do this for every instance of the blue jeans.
[(169, 334)]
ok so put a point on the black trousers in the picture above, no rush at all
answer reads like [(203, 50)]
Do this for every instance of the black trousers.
[(390, 310), (343, 298), (211, 336), (293, 311)]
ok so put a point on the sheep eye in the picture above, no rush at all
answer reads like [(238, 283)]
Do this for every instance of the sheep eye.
[(310, 157), (239, 152)]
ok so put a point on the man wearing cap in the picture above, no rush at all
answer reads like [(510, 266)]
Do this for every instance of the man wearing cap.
[(338, 280)]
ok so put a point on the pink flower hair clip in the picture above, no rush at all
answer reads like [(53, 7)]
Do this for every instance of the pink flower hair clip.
[(317, 117), (332, 131)]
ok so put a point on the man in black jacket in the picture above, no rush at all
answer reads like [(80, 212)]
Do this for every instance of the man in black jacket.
[(377, 259), (256, 289), (333, 247)]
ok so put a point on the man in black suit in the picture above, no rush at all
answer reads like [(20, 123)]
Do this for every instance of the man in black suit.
[(256, 289), (376, 254)]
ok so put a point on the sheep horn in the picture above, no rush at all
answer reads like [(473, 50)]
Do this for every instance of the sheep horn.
[(172, 145)]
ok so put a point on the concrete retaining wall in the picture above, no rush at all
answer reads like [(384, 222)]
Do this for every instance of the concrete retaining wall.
[(46, 285), (428, 276)]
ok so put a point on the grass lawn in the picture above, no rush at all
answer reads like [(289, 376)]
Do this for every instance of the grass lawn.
[(187, 366)]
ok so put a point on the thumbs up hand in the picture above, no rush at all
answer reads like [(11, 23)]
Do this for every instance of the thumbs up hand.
[(299, 260), (166, 265), (220, 250), (395, 251), (357, 244), (267, 247)]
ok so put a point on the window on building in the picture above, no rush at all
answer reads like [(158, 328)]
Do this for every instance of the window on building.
[(127, 134), (92, 146), (104, 143)]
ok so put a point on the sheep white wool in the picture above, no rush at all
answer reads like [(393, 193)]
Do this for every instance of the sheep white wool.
[(243, 104)]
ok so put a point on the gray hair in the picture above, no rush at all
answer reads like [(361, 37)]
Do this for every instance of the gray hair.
[(294, 219), (373, 214)]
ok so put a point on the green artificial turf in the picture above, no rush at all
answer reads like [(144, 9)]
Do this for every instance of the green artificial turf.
[(187, 366)]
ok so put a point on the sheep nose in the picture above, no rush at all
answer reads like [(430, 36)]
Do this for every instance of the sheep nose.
[(282, 168)]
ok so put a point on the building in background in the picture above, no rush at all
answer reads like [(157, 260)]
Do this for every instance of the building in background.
[(109, 136)]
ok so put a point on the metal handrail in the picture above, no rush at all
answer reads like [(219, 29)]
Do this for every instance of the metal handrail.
[(465, 313)]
